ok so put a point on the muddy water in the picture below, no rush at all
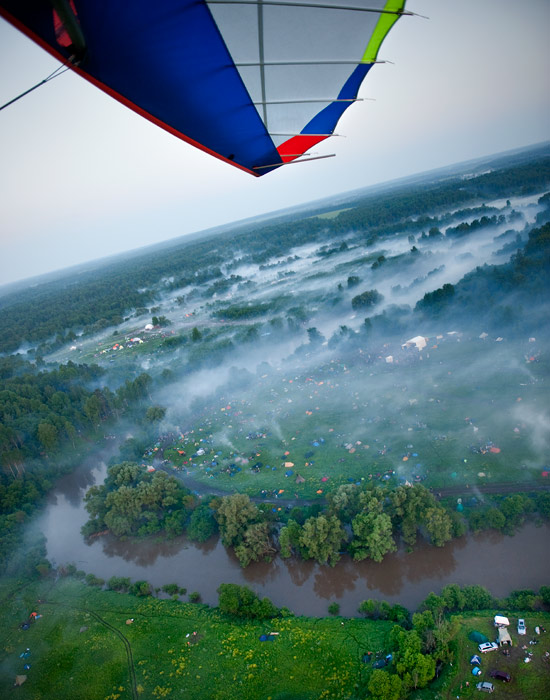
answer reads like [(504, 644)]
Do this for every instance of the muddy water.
[(500, 563)]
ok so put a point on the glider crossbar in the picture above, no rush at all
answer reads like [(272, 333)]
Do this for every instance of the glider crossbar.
[(292, 162), (292, 102), (275, 133), (286, 3), (307, 63)]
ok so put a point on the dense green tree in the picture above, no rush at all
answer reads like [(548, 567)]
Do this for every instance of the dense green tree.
[(118, 583), (289, 538), (415, 669), (407, 509), (438, 525), (495, 518), (155, 414), (435, 604), (255, 544), (344, 502), (234, 515), (372, 535), (477, 598), (322, 538), (47, 434), (543, 505), (367, 299), (514, 508), (522, 600), (385, 686), (453, 597), (202, 524), (141, 589)]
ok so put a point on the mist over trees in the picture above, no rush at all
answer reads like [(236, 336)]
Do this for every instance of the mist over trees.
[(52, 311)]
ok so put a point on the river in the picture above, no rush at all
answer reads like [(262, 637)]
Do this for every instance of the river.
[(498, 562)]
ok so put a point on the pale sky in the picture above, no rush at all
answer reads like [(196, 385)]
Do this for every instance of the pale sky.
[(82, 177)]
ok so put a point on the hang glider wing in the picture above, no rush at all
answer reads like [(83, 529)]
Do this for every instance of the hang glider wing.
[(256, 83)]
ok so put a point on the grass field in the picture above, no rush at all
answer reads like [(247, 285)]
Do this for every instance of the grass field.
[(310, 658), (82, 648), (461, 415)]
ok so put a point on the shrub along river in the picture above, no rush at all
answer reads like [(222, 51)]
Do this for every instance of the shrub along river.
[(498, 562)]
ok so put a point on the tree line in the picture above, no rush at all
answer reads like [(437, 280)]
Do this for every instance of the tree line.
[(366, 521)]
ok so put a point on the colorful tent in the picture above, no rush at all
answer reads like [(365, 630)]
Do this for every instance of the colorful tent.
[(256, 83)]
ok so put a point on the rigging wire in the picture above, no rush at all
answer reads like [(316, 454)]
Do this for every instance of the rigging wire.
[(56, 73)]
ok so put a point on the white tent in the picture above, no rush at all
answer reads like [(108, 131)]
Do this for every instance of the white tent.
[(501, 621), (418, 341), (504, 637)]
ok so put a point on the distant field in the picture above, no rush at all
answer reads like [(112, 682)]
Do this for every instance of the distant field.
[(332, 214)]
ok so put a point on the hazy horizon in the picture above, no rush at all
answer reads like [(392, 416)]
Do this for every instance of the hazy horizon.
[(6, 288)]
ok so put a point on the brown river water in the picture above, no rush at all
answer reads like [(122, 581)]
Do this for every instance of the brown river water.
[(498, 562)]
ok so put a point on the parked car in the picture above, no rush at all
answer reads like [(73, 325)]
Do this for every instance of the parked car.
[(487, 646), (521, 626), (486, 687), (501, 675)]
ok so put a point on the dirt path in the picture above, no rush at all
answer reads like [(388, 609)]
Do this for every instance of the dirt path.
[(123, 639), (462, 490)]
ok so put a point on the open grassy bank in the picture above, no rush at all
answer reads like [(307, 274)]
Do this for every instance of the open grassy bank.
[(309, 658), (83, 647)]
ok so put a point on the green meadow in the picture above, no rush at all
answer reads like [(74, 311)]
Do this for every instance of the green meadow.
[(76, 647), (83, 645), (459, 413)]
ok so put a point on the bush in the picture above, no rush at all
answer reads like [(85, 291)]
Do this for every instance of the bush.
[(334, 608), (243, 602), (93, 580), (194, 597), (118, 583), (141, 589), (171, 588)]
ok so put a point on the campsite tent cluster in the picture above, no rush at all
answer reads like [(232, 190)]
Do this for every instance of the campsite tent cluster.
[(308, 428)]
